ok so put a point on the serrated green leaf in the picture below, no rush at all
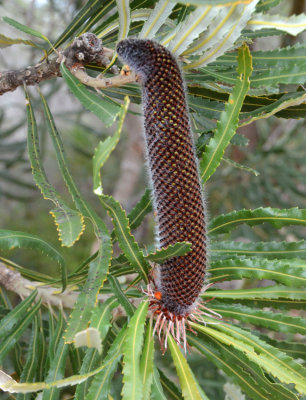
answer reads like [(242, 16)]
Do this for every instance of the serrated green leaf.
[(268, 292), (105, 110), (100, 319), (142, 208), (169, 386), (251, 103), (265, 5), (70, 225), (42, 345), (56, 370), (278, 58), (146, 361), (261, 33), (7, 41), (269, 358), (125, 238), (157, 390), (289, 272), (122, 298), (274, 216), (175, 250), (75, 358), (120, 266), (25, 29), (29, 371), (293, 25), (101, 316), (240, 166), (259, 249), (228, 122), (158, 16), (69, 222), (190, 387), (211, 109), (261, 76), (293, 349), (98, 268), (105, 148), (293, 74), (13, 239), (56, 337), (85, 209), (284, 102), (8, 384), (274, 321), (89, 362), (132, 383), (9, 322), (11, 340), (236, 365), (99, 389)]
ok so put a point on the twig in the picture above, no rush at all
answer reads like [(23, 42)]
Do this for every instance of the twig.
[(86, 49)]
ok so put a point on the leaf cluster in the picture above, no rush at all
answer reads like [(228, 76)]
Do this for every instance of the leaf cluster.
[(105, 347)]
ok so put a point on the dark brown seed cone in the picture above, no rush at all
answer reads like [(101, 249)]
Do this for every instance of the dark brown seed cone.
[(173, 169)]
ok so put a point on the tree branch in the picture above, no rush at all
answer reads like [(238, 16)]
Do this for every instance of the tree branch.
[(86, 49)]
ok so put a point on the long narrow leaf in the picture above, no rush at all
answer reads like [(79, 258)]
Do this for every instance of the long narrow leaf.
[(29, 371), (8, 384), (124, 236), (161, 255), (122, 298), (293, 25), (98, 268), (190, 387), (227, 124), (9, 322), (146, 361), (272, 360), (57, 369), (25, 29), (85, 12), (268, 292), (11, 340), (104, 149), (99, 389), (271, 320), (236, 365), (274, 216), (132, 383), (142, 208), (289, 272), (101, 107), (69, 222)]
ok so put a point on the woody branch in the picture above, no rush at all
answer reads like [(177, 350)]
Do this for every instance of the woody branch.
[(86, 49)]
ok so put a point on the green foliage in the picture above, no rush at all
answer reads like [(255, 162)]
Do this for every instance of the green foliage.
[(257, 343)]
